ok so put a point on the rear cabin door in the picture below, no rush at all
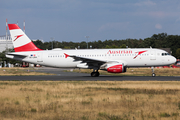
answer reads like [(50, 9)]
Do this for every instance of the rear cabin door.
[(40, 57)]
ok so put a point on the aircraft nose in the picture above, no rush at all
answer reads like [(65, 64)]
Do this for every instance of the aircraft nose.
[(173, 59)]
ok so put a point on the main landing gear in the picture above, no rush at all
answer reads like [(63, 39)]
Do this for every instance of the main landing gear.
[(95, 74), (153, 74)]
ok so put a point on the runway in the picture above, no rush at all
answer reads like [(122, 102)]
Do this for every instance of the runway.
[(72, 76), (88, 78)]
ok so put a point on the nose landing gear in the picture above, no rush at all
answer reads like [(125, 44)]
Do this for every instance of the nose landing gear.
[(153, 74)]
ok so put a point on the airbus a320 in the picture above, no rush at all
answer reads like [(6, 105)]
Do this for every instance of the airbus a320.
[(110, 60)]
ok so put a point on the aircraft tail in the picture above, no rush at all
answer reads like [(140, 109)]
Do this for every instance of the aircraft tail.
[(20, 41)]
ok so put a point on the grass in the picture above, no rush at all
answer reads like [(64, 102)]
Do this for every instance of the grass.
[(90, 100), (19, 71), (136, 72)]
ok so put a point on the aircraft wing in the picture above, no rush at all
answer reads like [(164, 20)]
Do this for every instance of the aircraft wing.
[(89, 61)]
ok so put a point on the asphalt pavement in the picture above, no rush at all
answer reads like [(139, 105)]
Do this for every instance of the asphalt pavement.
[(60, 75)]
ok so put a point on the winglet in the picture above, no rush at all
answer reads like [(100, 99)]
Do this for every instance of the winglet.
[(66, 55)]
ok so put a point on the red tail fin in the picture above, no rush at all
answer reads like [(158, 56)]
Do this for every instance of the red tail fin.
[(20, 41)]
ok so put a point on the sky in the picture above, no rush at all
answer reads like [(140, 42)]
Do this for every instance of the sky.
[(72, 20)]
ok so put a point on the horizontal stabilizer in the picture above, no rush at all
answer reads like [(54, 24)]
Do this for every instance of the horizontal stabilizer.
[(14, 54)]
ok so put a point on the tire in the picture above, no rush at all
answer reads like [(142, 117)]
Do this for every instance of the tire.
[(153, 75), (94, 74), (97, 74)]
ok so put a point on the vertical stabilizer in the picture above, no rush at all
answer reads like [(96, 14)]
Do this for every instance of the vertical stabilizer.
[(20, 41)]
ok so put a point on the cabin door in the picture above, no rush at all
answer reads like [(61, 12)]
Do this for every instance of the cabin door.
[(40, 57)]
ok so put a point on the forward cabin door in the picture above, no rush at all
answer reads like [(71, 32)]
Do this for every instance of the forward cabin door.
[(152, 55), (40, 57)]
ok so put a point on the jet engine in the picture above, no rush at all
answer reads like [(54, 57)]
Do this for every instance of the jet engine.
[(116, 68)]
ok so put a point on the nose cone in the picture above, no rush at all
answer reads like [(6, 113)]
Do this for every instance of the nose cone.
[(173, 59)]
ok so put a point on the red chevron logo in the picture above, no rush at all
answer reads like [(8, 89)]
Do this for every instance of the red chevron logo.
[(140, 52), (18, 36)]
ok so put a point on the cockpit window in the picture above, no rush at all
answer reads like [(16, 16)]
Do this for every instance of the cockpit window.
[(164, 54)]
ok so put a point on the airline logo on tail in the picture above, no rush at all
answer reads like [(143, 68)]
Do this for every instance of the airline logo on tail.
[(18, 36)]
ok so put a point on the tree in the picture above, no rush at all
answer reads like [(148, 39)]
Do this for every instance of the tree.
[(39, 44), (8, 60), (178, 53), (107, 46), (123, 46)]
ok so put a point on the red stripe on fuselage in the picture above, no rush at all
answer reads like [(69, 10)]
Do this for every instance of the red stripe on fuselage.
[(13, 26), (28, 47)]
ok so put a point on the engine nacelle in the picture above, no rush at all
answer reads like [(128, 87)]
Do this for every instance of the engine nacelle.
[(116, 68)]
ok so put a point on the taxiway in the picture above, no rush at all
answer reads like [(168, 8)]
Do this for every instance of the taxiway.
[(60, 75)]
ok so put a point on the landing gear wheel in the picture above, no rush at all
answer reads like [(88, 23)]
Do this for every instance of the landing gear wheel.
[(94, 74), (153, 75)]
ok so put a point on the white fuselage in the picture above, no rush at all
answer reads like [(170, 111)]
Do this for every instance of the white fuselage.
[(129, 57)]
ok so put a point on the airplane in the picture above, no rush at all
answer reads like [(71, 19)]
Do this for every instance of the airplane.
[(110, 60)]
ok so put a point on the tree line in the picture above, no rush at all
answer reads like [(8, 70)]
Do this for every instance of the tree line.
[(161, 40)]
